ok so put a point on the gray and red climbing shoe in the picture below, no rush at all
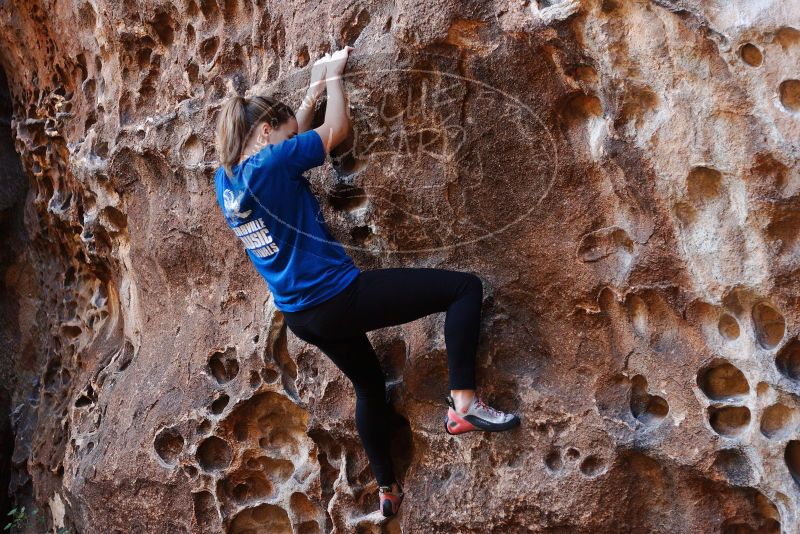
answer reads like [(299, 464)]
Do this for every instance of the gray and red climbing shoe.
[(479, 416), (390, 500)]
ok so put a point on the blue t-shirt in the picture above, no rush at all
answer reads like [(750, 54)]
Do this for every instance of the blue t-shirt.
[(272, 210)]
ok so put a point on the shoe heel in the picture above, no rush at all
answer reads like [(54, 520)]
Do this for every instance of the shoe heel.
[(454, 424)]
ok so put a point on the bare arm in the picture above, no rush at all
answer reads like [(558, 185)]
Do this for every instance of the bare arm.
[(305, 113), (337, 122)]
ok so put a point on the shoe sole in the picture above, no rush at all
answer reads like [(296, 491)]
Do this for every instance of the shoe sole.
[(469, 423), (386, 509)]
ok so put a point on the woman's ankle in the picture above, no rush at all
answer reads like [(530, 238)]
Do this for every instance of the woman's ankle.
[(394, 487), (462, 398)]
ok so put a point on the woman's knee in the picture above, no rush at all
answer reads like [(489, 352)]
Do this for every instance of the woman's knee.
[(473, 283), (369, 384), (371, 392)]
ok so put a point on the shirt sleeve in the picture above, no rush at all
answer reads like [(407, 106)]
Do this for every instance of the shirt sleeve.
[(300, 153)]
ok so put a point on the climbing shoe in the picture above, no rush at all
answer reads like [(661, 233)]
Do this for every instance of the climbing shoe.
[(390, 501), (479, 416)]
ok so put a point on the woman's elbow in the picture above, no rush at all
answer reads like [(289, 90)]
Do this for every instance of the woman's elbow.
[(333, 135)]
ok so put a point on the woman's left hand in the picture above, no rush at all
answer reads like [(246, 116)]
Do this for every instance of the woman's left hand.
[(318, 73)]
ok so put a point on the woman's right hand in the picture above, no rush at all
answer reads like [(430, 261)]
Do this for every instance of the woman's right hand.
[(336, 62)]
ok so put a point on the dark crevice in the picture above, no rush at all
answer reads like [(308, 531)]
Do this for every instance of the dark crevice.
[(13, 190)]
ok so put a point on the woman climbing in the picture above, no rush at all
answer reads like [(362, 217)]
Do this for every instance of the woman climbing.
[(264, 149)]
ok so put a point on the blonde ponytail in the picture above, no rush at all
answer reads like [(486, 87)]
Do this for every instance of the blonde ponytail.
[(237, 118)]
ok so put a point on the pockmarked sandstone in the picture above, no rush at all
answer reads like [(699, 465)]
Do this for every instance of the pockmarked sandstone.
[(623, 175)]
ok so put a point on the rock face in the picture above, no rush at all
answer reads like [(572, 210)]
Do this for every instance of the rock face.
[(623, 175)]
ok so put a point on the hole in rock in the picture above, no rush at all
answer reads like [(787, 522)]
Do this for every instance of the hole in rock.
[(789, 91), (703, 183), (143, 57), (346, 163), (792, 458), (269, 375), (637, 104), (591, 466), (553, 461), (219, 404), (83, 401), (585, 73), (309, 527), (241, 431), (788, 360), (253, 486), (765, 526), (728, 327), (613, 397), (729, 421), (127, 355), (252, 463), (208, 49), (270, 419), (286, 363), (255, 379), (87, 15), (87, 398), (224, 366), (262, 519), (352, 30), (649, 409), (769, 325), (192, 72), (604, 242), (637, 311), (361, 234), (204, 427), (192, 150), (787, 37), (784, 227), (214, 453), (573, 454), (302, 56), (777, 421), (582, 107), (347, 197), (168, 445), (734, 466), (231, 9), (71, 331), (685, 212), (304, 510), (278, 469), (209, 9), (162, 25), (111, 216), (750, 54), (720, 380)]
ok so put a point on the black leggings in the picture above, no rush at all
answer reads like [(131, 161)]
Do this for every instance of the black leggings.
[(387, 297)]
